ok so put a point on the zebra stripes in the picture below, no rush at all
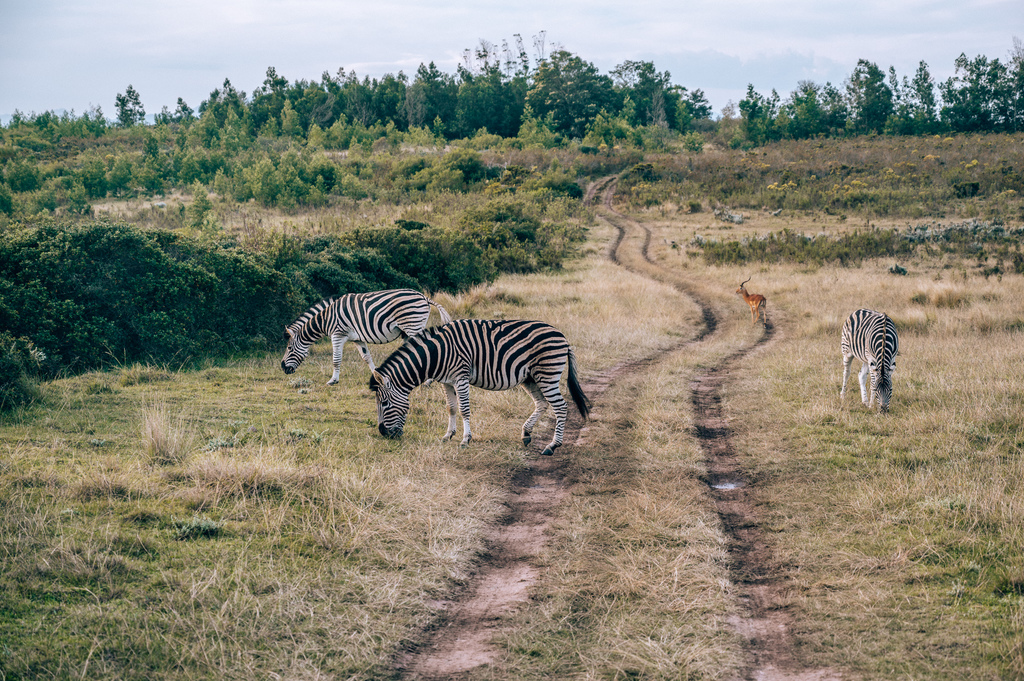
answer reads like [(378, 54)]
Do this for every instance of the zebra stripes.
[(378, 317), (488, 354), (871, 337)]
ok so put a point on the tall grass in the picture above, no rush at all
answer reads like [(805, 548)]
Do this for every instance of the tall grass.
[(262, 524), (898, 534)]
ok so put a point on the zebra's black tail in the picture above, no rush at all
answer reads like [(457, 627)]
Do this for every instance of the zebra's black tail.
[(578, 398)]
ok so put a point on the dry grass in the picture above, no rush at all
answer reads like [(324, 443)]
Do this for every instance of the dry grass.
[(233, 523), (900, 534), (263, 524), (167, 439)]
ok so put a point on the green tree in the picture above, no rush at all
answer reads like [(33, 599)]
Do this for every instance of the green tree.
[(490, 100), (646, 88), (432, 98), (871, 99), (759, 114), (571, 91), (690, 107), (805, 111), (129, 108), (977, 97)]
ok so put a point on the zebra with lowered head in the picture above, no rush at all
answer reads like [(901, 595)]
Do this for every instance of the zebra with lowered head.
[(488, 354), (378, 317), (871, 337)]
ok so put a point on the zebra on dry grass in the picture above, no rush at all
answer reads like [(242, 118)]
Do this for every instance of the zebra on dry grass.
[(378, 317), (488, 354), (870, 337)]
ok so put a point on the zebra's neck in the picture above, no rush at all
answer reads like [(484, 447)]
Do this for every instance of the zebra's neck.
[(319, 320), (417, 361)]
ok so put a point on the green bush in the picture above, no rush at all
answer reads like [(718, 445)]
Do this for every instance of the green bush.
[(18, 359), (439, 259), (86, 295)]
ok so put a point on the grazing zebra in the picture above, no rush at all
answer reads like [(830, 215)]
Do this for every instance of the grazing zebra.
[(871, 337), (489, 354), (378, 317)]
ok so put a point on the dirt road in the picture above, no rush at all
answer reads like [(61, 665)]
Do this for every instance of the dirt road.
[(460, 641)]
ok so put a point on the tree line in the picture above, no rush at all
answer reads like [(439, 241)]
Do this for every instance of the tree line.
[(983, 95), (500, 91)]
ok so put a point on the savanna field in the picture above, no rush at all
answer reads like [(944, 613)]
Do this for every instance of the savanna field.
[(172, 505)]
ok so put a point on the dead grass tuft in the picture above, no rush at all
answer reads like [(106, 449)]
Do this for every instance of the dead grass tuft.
[(166, 438)]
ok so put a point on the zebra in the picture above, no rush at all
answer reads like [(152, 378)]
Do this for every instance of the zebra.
[(488, 354), (378, 317), (871, 337)]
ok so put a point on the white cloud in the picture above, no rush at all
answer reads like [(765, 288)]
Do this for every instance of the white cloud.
[(58, 54)]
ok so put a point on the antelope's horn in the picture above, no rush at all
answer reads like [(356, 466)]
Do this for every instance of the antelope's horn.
[(748, 279)]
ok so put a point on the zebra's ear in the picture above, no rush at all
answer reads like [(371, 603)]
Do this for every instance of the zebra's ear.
[(380, 379), (287, 334)]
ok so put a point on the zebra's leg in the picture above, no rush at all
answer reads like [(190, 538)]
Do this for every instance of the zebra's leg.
[(866, 396), (847, 361), (540, 404), (558, 405), (337, 344), (462, 390), (449, 393), (365, 352)]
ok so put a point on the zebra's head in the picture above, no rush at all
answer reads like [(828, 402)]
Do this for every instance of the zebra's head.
[(881, 384), (392, 405), (295, 352)]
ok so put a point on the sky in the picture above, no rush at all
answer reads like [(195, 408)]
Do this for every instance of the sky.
[(65, 55)]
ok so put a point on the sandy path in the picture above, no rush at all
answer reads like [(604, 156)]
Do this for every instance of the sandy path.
[(765, 622), (461, 641)]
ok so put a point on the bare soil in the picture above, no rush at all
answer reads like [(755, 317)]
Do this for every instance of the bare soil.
[(460, 640)]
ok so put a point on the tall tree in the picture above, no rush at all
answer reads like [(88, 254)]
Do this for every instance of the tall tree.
[(432, 98), (571, 91), (805, 110), (975, 98), (870, 98), (1015, 83), (646, 88), (759, 114), (129, 108)]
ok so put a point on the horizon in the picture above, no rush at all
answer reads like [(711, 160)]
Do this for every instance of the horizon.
[(61, 56)]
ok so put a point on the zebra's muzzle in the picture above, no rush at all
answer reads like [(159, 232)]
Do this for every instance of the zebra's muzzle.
[(389, 433), (287, 369)]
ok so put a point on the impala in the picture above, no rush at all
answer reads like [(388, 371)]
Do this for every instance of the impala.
[(756, 302)]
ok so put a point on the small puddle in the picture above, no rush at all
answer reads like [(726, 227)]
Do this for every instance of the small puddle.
[(728, 484)]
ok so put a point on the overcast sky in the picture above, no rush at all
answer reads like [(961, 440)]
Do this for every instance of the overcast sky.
[(64, 54)]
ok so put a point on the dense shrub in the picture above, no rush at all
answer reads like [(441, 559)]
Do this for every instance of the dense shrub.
[(787, 246), (18, 361), (437, 258), (90, 294), (971, 238), (514, 240)]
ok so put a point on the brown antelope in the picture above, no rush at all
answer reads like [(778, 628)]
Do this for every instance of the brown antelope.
[(756, 302)]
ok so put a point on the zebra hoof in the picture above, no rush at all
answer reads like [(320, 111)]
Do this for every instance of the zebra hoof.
[(332, 382), (527, 440), (548, 451)]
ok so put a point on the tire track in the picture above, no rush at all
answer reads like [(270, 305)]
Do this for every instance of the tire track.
[(459, 641), (765, 622)]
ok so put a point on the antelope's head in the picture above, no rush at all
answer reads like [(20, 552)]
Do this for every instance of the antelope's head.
[(742, 291)]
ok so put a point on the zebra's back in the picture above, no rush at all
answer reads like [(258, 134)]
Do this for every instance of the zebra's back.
[(378, 317), (499, 354), (870, 335)]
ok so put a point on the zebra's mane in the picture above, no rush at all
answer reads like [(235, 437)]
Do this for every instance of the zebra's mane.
[(312, 313), (405, 348)]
